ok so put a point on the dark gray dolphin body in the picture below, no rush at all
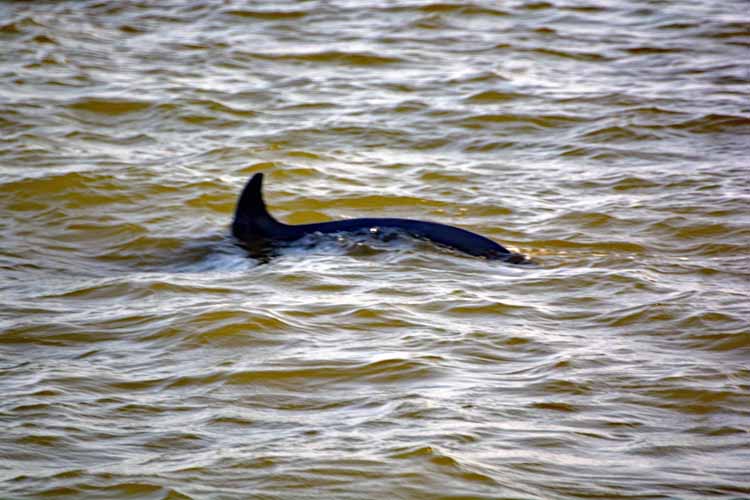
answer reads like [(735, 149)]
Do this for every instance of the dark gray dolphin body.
[(253, 224)]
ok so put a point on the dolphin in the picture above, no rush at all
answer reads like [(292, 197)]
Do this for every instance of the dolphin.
[(253, 225)]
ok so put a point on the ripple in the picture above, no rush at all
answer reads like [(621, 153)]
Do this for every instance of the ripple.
[(464, 10), (576, 55), (333, 57), (544, 121), (70, 182), (713, 123), (725, 341), (143, 353), (495, 96), (270, 15), (383, 371), (109, 106)]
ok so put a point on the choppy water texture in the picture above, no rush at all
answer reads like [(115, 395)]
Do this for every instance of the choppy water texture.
[(144, 355)]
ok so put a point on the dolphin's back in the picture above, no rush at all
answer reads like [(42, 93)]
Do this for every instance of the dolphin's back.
[(253, 223), (442, 234)]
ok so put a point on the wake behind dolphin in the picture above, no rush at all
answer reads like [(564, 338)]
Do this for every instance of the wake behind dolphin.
[(254, 225)]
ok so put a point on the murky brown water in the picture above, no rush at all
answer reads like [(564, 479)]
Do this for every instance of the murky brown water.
[(144, 355)]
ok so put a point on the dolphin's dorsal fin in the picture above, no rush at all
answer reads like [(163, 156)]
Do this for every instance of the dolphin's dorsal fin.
[(251, 218)]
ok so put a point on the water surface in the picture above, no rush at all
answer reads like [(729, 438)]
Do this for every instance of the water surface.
[(143, 354)]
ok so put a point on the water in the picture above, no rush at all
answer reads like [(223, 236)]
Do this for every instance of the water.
[(144, 355)]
